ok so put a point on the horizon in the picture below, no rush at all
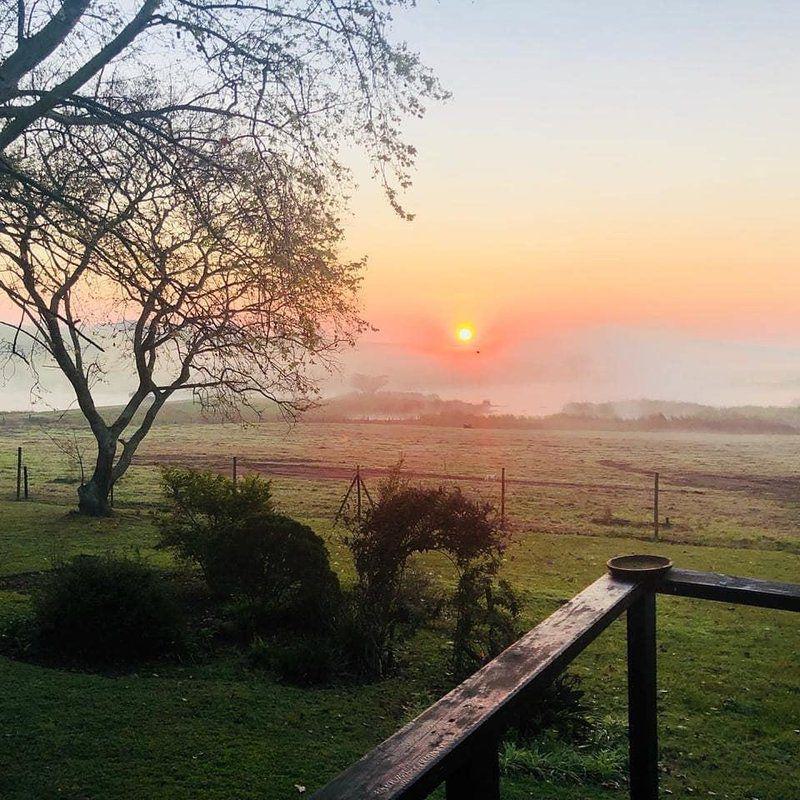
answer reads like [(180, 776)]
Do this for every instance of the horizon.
[(623, 407)]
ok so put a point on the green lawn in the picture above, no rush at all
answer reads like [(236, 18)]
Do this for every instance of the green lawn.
[(729, 683)]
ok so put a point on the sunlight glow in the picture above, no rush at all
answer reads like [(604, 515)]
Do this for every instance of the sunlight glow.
[(465, 333)]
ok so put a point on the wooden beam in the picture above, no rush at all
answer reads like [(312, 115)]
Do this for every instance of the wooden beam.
[(415, 760), (642, 697), (729, 589)]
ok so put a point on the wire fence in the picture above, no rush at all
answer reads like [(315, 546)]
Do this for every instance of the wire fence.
[(646, 506)]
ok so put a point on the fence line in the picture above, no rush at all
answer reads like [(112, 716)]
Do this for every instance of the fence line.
[(299, 469)]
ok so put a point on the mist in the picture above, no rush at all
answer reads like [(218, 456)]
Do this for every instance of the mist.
[(539, 376), (532, 376)]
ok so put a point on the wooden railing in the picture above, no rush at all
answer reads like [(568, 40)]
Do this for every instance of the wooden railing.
[(456, 740)]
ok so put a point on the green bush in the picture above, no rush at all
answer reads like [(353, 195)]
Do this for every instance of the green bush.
[(556, 736), (305, 661), (270, 571), (259, 653), (421, 600), (407, 520), (560, 708), (486, 618), (600, 761), (105, 611), (203, 507)]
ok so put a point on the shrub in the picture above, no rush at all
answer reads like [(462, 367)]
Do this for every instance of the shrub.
[(102, 610), (420, 599), (305, 661), (600, 761), (272, 571), (556, 737), (410, 519), (203, 506), (560, 708), (486, 617), (259, 653)]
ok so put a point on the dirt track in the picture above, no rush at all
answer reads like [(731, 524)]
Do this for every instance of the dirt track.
[(319, 471), (781, 487)]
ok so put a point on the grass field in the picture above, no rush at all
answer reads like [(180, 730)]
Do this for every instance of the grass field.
[(729, 676)]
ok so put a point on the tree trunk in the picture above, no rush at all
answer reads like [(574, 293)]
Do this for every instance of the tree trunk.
[(93, 496)]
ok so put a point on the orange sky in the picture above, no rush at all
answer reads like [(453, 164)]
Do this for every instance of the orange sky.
[(632, 167)]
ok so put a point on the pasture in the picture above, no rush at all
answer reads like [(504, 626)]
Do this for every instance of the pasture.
[(217, 728)]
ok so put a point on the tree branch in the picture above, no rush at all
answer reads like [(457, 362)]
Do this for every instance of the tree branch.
[(27, 115), (31, 51)]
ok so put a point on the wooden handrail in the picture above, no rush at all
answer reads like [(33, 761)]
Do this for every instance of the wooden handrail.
[(729, 589), (412, 762), (456, 739)]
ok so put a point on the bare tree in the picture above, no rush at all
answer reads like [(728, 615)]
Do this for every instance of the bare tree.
[(170, 189), (228, 288), (368, 384), (72, 448)]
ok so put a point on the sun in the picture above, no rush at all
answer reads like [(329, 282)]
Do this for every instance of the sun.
[(465, 333)]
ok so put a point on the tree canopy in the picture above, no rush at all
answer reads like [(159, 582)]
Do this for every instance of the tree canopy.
[(171, 192)]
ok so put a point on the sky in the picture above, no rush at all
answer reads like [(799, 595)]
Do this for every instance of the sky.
[(609, 201)]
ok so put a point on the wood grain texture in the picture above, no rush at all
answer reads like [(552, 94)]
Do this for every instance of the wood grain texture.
[(730, 589), (416, 759)]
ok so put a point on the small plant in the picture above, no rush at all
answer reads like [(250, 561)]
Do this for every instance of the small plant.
[(259, 653), (106, 611), (601, 761), (486, 618), (407, 520), (303, 661), (556, 737), (270, 571), (599, 758), (560, 708)]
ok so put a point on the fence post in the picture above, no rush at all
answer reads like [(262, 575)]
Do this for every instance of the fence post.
[(479, 778), (642, 699), (358, 493), (655, 508), (25, 479), (503, 498), (234, 470), (19, 472)]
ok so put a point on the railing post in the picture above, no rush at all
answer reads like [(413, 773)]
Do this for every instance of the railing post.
[(642, 697), (479, 778)]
